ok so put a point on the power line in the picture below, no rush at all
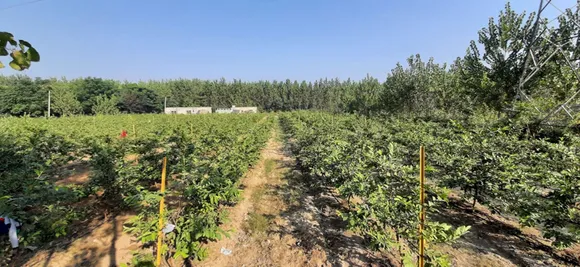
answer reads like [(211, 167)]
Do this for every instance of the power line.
[(20, 4)]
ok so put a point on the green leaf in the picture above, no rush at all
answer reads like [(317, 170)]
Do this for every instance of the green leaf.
[(25, 43), (18, 56), (19, 62), (3, 44), (5, 36), (32, 55), (1, 65), (3, 51), (12, 41), (15, 65)]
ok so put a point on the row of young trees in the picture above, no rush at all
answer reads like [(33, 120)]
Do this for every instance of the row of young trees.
[(479, 79)]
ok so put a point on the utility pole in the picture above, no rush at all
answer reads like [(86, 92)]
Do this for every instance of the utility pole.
[(49, 103), (165, 104)]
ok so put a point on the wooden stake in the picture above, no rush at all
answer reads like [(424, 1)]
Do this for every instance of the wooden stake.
[(161, 212), (421, 262)]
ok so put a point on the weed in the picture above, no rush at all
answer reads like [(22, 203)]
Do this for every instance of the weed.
[(258, 195), (140, 260), (256, 223), (269, 166)]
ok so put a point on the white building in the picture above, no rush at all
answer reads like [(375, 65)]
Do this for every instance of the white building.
[(244, 109), (235, 109), (223, 110), (188, 110)]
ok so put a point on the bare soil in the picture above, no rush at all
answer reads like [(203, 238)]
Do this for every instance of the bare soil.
[(75, 173), (103, 243), (494, 240)]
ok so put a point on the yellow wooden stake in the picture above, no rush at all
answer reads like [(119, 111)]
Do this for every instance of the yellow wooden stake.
[(421, 262), (161, 211)]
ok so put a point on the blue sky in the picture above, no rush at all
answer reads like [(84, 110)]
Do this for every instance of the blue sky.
[(244, 39)]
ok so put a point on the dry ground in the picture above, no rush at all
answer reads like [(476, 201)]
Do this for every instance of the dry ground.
[(496, 241), (105, 244)]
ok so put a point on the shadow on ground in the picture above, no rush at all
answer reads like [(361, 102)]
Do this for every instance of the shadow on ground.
[(314, 223), (99, 239), (492, 234)]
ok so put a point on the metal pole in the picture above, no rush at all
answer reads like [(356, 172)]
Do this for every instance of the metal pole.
[(49, 103), (573, 96), (422, 201), (529, 55)]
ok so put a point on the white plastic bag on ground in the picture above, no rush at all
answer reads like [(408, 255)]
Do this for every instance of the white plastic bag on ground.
[(226, 251), (12, 231)]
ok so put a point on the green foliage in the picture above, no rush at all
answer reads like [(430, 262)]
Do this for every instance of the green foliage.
[(205, 171), (63, 99), (90, 89), (376, 174), (134, 99), (20, 95), (421, 88), (492, 78), (140, 260), (26, 192), (207, 156), (511, 164), (373, 164), (21, 52), (366, 96), (105, 105)]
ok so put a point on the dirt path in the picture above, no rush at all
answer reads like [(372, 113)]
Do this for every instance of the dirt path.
[(252, 219), (280, 222)]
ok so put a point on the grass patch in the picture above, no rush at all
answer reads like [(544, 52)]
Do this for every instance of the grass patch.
[(258, 194), (256, 223), (269, 166), (141, 260)]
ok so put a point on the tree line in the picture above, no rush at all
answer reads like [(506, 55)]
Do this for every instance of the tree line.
[(485, 77)]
